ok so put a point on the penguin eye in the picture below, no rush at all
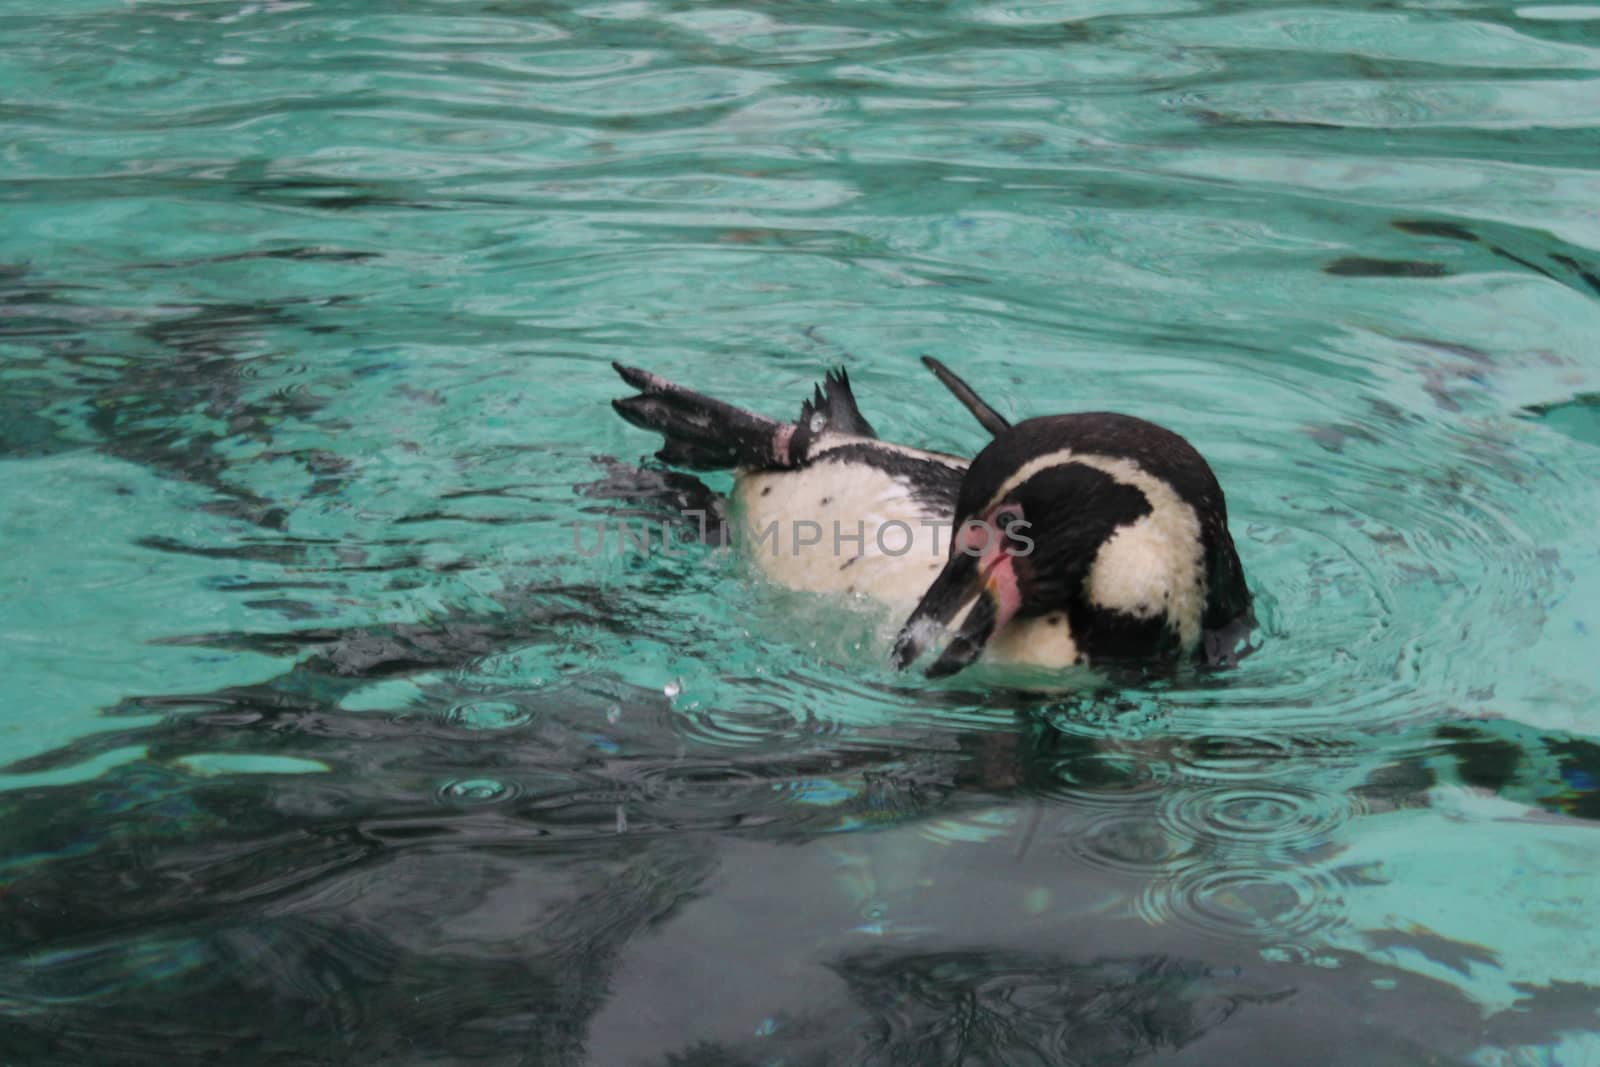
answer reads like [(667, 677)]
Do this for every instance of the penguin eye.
[(1007, 516)]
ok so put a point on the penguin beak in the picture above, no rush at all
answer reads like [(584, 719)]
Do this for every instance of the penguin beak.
[(988, 583)]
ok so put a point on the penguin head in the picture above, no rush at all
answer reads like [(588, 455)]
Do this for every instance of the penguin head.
[(1036, 518)]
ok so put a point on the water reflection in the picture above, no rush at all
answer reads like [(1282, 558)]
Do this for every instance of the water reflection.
[(1008, 1007)]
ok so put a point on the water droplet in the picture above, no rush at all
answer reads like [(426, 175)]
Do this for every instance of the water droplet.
[(1284, 954), (477, 791), (489, 715), (673, 688)]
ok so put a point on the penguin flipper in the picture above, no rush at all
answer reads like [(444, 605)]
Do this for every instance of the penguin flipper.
[(990, 419), (702, 433), (680, 501), (706, 434), (1226, 645)]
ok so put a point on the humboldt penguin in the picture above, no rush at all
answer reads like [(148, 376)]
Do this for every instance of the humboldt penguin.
[(1091, 538)]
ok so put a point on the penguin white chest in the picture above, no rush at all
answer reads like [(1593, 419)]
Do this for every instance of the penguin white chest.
[(849, 528), (1041, 641)]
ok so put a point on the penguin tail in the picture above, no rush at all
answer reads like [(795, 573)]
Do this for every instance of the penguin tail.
[(987, 416)]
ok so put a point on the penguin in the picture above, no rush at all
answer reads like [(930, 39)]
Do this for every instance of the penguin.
[(1088, 539)]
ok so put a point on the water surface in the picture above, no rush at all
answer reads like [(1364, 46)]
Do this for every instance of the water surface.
[(323, 742)]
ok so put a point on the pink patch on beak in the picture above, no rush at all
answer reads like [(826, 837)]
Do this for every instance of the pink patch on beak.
[(780, 444), (1000, 578)]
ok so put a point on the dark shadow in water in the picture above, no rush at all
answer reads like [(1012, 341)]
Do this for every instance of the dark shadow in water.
[(1559, 265), (1578, 418), (993, 1007), (1367, 267), (1514, 246), (656, 494), (151, 387), (448, 893), (1005, 1007), (1549, 770)]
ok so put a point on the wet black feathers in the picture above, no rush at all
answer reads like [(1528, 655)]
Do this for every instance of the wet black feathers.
[(1158, 451), (934, 483), (701, 433), (834, 401), (1161, 454), (987, 416)]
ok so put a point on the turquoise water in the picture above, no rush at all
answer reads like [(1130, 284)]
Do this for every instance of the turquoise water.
[(322, 743)]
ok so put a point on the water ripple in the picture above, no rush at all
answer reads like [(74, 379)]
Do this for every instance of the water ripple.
[(1134, 844), (1262, 904), (1098, 778), (1277, 816)]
